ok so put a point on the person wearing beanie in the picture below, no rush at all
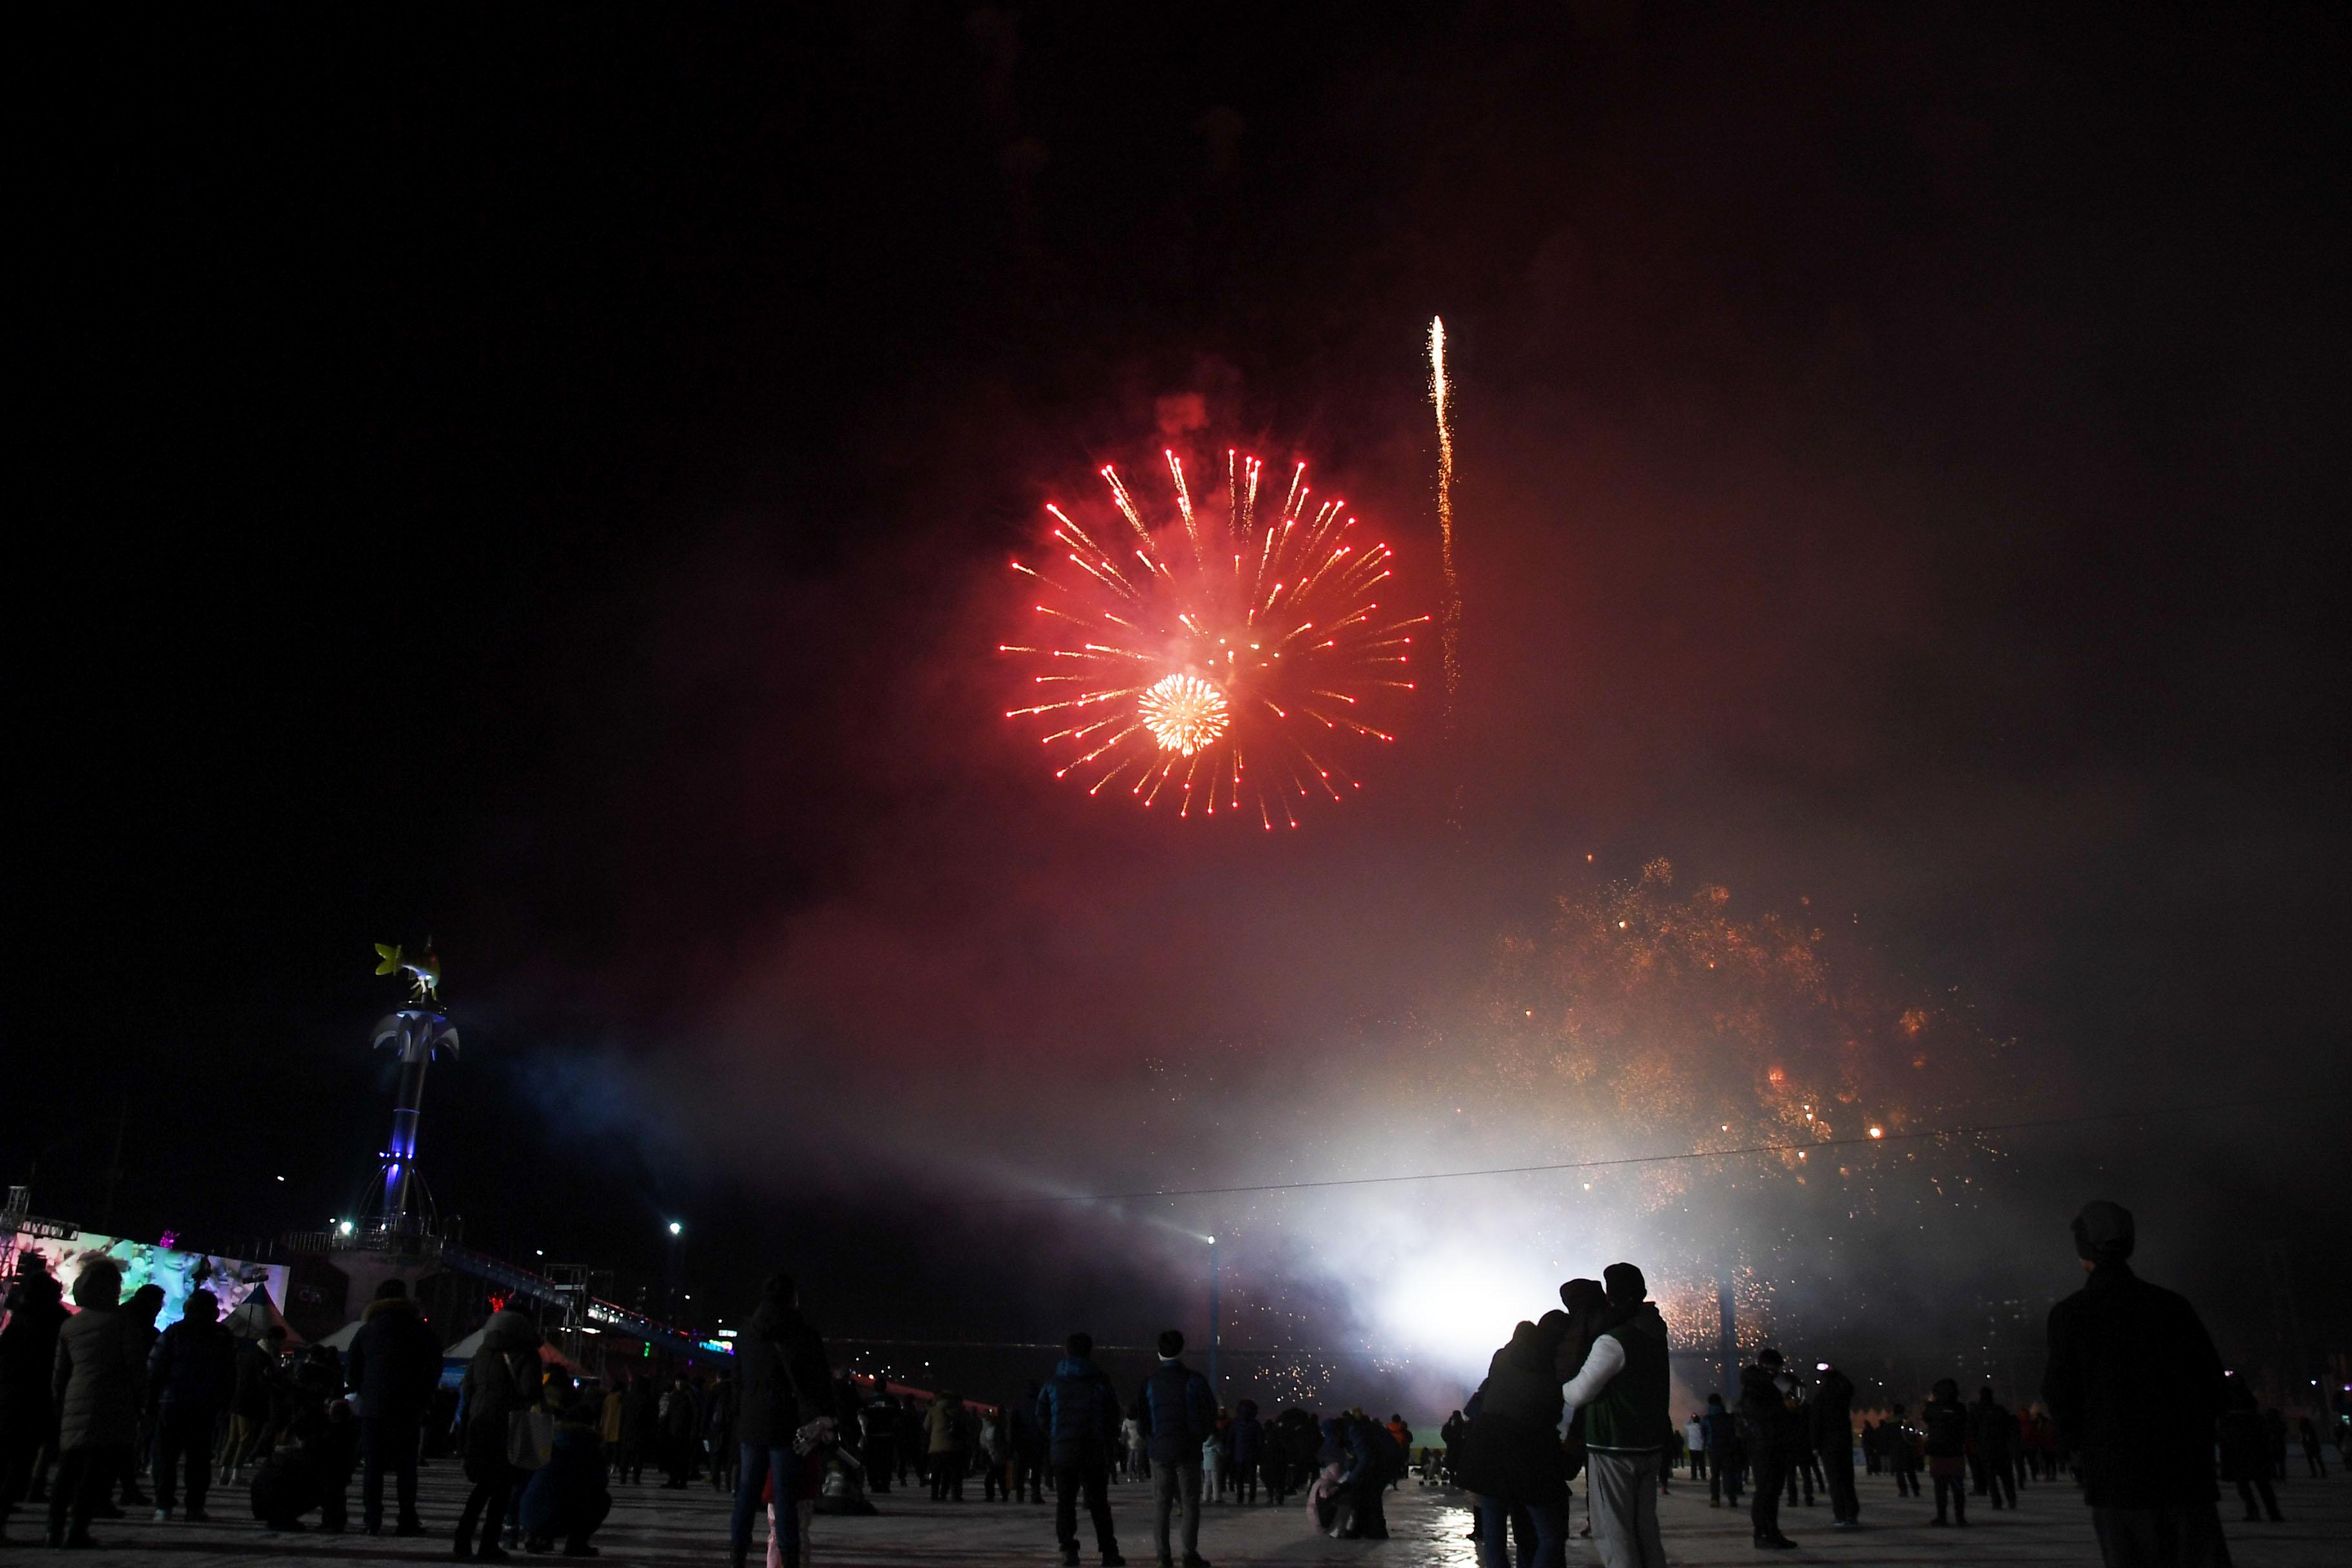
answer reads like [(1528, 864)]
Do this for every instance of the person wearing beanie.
[(1622, 1390), (2136, 1386)]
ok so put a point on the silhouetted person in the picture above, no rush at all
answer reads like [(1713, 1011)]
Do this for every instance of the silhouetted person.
[(1725, 1460), (502, 1381), (1249, 1450), (190, 1373), (1507, 1454), (98, 1384), (1902, 1453), (1622, 1389), (2246, 1451), (1078, 1411), (1946, 1423), (395, 1365), (2314, 1466), (2136, 1385), (1764, 1419), (1832, 1420), (1178, 1414), (1993, 1432), (28, 1354), (783, 1382)]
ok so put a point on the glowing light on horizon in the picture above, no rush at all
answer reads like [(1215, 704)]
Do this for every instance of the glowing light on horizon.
[(1219, 662)]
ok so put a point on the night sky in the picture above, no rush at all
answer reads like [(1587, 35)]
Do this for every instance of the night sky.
[(544, 481)]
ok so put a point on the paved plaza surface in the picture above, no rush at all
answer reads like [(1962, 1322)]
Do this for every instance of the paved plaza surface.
[(669, 1530)]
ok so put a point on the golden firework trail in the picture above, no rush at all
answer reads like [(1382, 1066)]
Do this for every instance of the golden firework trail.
[(1218, 662), (1441, 393)]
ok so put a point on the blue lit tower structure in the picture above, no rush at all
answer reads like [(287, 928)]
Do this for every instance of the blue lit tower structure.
[(400, 1203)]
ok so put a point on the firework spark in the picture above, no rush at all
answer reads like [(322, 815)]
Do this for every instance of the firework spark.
[(1216, 661), (1441, 395), (1183, 713)]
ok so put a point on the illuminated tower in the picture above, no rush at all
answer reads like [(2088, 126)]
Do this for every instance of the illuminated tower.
[(402, 1205)]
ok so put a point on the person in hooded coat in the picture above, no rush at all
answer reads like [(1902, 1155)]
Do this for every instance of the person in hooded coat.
[(1832, 1434), (190, 1373), (2136, 1385), (783, 1382), (1508, 1456), (98, 1384), (1622, 1388), (28, 1354), (1080, 1413), (501, 1381), (395, 1364)]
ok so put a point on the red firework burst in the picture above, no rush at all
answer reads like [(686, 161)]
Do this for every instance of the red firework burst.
[(1213, 661)]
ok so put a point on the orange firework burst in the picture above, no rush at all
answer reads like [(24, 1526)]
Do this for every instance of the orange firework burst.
[(1215, 660)]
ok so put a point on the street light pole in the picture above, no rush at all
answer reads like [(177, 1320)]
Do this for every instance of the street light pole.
[(1215, 1388)]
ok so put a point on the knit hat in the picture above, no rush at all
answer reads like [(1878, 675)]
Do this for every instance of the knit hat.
[(1579, 1295), (2103, 1232), (392, 1290)]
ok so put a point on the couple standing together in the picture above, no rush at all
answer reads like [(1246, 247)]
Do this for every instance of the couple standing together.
[(1607, 1348)]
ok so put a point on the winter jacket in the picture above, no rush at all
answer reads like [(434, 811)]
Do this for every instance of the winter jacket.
[(98, 1381), (1510, 1448), (566, 1496), (1079, 1411), (1763, 1414), (395, 1361), (641, 1413), (256, 1369), (1991, 1430), (2136, 1385), (192, 1366), (1833, 1414), (1370, 1457), (1622, 1387), (1722, 1431), (29, 1356), (1947, 1421), (783, 1378), (942, 1424), (2245, 1446), (1249, 1435), (504, 1377), (1179, 1413)]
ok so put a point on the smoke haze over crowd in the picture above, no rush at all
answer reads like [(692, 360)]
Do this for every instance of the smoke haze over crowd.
[(549, 487)]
